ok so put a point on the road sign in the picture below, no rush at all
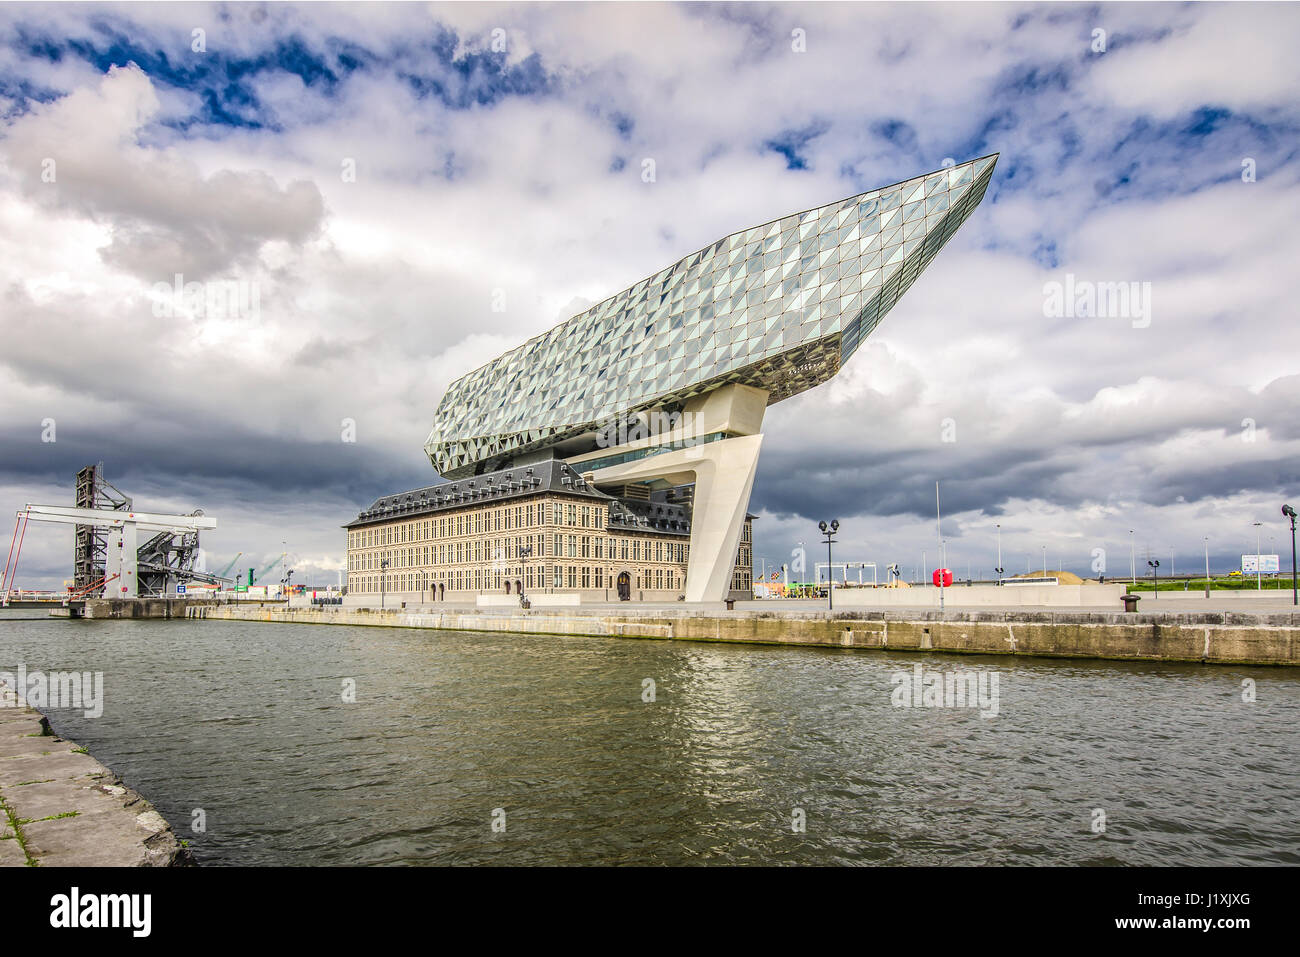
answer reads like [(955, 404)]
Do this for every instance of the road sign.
[(180, 589), (1265, 564)]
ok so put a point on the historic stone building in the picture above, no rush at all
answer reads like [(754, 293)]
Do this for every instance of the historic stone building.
[(542, 530)]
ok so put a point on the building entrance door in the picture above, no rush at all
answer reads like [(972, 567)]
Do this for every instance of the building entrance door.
[(624, 587)]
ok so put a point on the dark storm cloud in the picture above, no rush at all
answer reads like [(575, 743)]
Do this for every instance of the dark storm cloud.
[(791, 485), (197, 454)]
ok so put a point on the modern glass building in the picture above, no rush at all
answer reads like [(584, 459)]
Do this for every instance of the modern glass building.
[(779, 307), (663, 386)]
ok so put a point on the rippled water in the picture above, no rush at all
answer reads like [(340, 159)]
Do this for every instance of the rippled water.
[(247, 722)]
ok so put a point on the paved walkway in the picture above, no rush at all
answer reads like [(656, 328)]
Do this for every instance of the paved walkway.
[(59, 807), (1168, 602)]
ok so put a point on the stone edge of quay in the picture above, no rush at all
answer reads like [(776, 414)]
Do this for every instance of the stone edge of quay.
[(158, 843)]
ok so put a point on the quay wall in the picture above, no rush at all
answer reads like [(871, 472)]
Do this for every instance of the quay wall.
[(1211, 638), (59, 807), (141, 607)]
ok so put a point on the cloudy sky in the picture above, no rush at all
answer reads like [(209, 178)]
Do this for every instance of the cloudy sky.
[(377, 173)]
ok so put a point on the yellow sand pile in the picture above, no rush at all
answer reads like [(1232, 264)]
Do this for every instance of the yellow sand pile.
[(1065, 578)]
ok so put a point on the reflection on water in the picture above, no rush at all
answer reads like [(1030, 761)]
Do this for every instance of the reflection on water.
[(247, 722)]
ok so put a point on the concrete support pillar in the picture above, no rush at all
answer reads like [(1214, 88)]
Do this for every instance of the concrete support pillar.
[(722, 471), (121, 561), (724, 479)]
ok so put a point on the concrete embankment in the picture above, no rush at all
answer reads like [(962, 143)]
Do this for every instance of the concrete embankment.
[(141, 607), (59, 807), (1212, 638)]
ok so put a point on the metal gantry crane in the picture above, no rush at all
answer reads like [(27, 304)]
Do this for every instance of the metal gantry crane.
[(121, 563)]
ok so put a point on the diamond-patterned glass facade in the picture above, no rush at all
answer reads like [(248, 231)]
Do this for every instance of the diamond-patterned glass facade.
[(779, 307)]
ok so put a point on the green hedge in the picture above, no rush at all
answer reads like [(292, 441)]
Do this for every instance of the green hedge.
[(1217, 584)]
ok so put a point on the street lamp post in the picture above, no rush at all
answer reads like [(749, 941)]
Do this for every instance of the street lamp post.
[(999, 568), (1155, 576), (1207, 566), (383, 581), (829, 532), (525, 553), (1289, 512), (1132, 559), (1259, 577)]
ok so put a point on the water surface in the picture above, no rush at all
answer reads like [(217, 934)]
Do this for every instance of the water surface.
[(247, 722)]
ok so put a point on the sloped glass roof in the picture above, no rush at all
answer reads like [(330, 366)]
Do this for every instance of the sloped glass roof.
[(780, 307)]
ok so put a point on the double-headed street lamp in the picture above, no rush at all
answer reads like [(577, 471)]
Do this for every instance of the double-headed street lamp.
[(999, 569), (1289, 512), (383, 581), (829, 531), (525, 553), (1155, 576)]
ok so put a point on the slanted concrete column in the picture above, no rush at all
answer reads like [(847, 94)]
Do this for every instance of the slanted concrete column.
[(723, 472)]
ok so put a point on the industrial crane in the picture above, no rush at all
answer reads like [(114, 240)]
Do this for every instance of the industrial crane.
[(268, 568), (225, 571), (123, 562)]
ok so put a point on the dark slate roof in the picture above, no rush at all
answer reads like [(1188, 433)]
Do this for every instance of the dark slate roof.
[(660, 515), (506, 485)]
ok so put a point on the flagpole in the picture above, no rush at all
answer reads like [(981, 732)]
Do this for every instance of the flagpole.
[(938, 525)]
